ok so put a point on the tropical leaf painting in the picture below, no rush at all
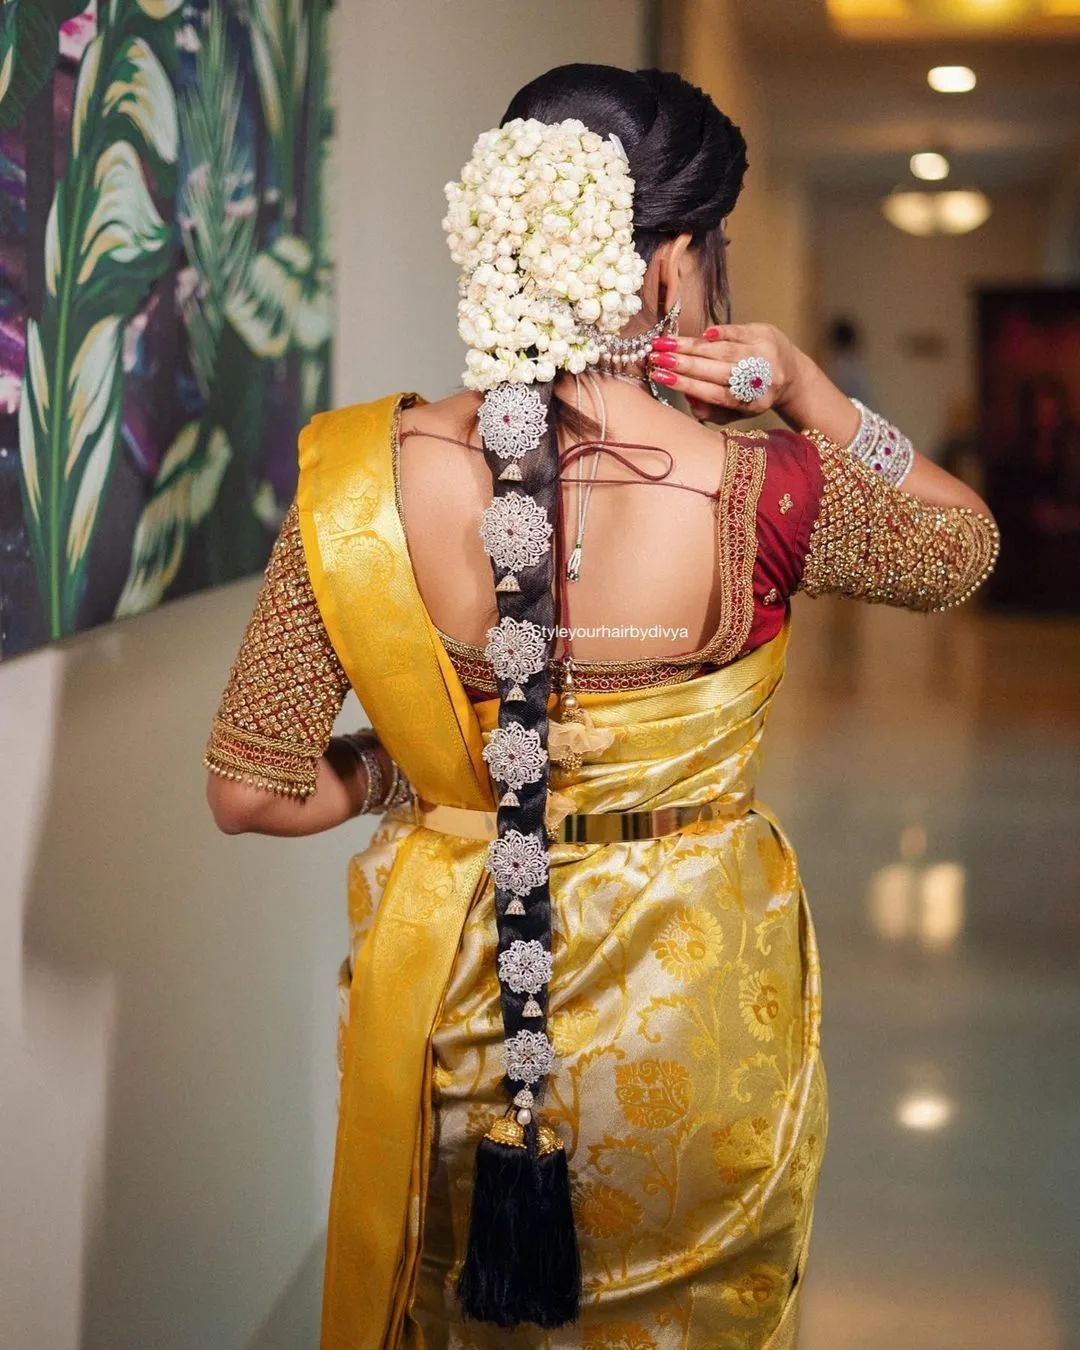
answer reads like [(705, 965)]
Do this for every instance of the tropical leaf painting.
[(165, 300)]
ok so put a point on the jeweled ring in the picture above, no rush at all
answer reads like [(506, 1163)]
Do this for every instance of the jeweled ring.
[(750, 378)]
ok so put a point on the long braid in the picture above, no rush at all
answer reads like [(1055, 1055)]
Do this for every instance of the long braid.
[(533, 603), (522, 1262)]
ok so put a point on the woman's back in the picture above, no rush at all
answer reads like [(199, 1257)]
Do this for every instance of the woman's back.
[(651, 556)]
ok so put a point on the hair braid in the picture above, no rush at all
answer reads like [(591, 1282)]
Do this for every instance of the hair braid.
[(522, 1263), (534, 603), (553, 222)]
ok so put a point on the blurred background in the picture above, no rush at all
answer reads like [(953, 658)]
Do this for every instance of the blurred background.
[(167, 995)]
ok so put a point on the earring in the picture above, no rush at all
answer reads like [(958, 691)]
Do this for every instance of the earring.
[(623, 351)]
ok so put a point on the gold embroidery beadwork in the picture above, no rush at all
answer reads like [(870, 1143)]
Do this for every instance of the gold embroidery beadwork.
[(872, 541), (770, 597), (286, 685), (786, 503), (744, 477)]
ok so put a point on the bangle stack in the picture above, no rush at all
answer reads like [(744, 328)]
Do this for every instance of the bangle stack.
[(377, 796), (881, 446)]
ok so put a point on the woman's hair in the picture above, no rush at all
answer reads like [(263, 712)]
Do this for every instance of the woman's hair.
[(687, 158), (687, 161)]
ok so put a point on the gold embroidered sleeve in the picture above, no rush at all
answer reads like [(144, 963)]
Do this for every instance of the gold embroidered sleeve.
[(286, 686), (871, 541)]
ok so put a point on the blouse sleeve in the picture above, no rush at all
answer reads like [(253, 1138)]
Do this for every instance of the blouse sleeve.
[(872, 541), (286, 686)]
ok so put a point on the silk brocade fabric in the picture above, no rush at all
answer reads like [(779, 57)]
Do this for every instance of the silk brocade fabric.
[(686, 1013)]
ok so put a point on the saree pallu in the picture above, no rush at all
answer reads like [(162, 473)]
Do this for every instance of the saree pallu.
[(685, 1004)]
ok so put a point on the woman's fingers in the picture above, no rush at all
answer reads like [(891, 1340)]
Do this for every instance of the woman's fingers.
[(708, 391), (707, 376), (711, 369), (722, 349)]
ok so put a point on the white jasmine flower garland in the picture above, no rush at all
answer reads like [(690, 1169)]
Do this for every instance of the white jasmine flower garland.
[(541, 226)]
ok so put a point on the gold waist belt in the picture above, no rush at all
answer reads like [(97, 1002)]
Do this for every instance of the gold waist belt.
[(596, 827)]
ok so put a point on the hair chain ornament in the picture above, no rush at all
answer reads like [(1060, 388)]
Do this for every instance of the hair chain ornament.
[(618, 352), (522, 1262)]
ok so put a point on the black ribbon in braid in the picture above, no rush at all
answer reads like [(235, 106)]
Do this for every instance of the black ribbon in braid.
[(522, 1262)]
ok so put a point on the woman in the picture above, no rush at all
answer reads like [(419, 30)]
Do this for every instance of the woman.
[(582, 1099)]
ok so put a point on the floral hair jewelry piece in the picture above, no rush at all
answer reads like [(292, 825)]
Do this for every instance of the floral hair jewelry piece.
[(518, 862), (512, 420), (525, 967), (515, 532), (515, 756), (528, 1055), (517, 651)]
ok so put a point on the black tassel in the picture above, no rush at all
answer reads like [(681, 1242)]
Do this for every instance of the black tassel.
[(556, 1263), (522, 1262)]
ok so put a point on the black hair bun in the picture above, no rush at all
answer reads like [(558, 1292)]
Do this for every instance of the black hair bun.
[(688, 159)]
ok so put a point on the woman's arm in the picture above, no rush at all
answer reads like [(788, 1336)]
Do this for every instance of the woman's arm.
[(273, 766), (812, 400), (875, 542), (801, 393), (340, 792)]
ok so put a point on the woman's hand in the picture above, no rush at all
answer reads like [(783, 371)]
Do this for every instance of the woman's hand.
[(700, 368), (800, 392)]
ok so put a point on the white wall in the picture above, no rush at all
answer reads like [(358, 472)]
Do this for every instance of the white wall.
[(416, 85), (166, 993), (768, 227), (896, 285)]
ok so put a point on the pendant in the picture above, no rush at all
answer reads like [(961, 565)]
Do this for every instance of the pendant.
[(569, 711)]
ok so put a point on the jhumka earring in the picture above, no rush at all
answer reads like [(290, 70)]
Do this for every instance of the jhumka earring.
[(617, 352)]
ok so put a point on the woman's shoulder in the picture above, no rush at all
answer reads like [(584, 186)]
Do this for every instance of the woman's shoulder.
[(349, 414)]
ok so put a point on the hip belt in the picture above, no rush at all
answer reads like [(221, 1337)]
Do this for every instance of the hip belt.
[(582, 827)]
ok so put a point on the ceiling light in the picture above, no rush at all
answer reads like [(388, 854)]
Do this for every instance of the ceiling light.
[(930, 166), (951, 79), (924, 1110), (976, 13), (936, 212)]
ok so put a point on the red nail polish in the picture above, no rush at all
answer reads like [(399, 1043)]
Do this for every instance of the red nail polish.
[(665, 376), (665, 344), (663, 359), (712, 332)]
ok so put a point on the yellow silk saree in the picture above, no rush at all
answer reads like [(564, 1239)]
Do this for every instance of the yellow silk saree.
[(685, 1006)]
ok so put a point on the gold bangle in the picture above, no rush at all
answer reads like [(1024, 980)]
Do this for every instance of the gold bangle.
[(364, 744)]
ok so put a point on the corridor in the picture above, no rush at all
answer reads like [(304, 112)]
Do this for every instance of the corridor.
[(927, 770)]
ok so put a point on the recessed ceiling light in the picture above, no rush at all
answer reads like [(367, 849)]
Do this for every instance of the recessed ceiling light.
[(951, 79), (929, 165)]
